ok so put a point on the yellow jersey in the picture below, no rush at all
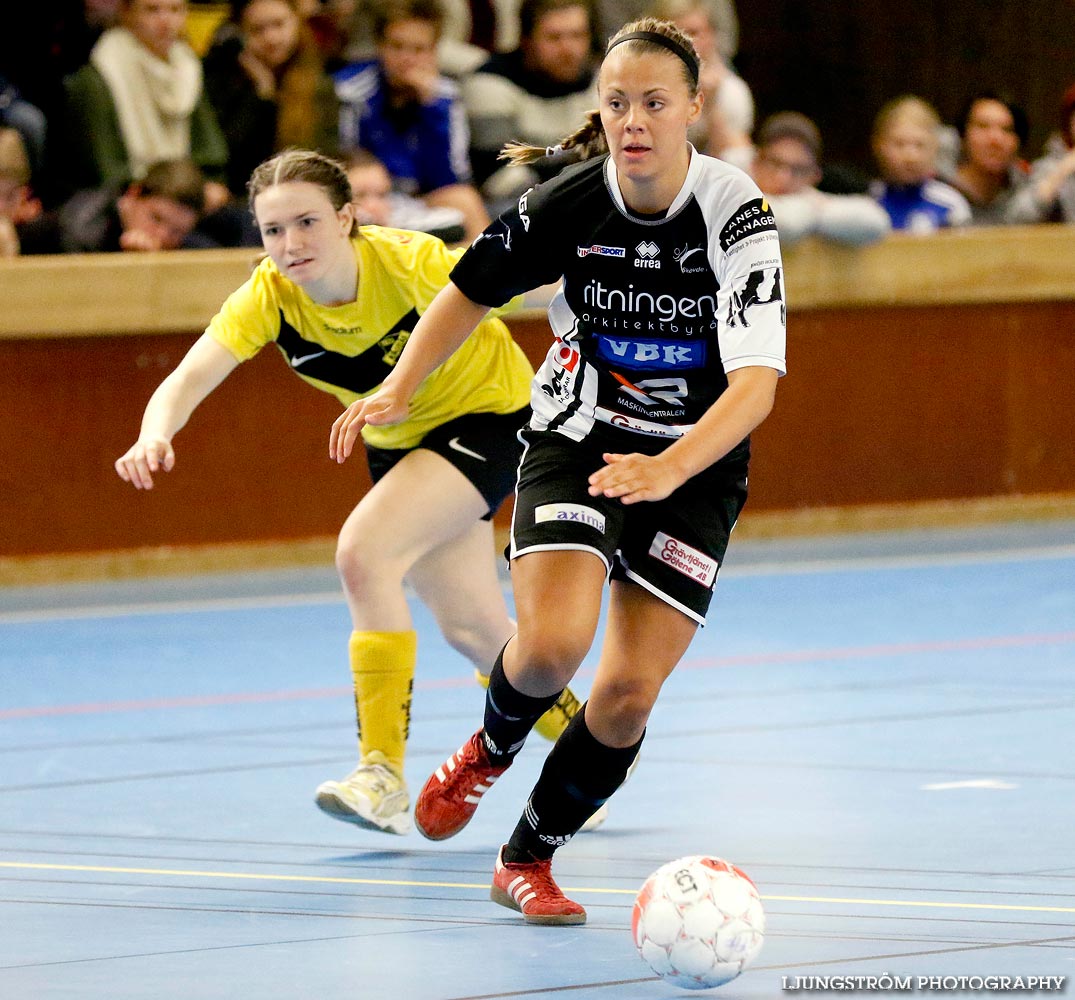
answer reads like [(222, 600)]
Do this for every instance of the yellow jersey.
[(348, 350)]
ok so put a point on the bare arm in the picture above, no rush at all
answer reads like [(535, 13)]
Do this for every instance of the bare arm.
[(741, 407), (1048, 187), (202, 369), (439, 332)]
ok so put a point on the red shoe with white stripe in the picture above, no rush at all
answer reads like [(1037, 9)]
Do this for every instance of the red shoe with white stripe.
[(451, 795), (530, 889)]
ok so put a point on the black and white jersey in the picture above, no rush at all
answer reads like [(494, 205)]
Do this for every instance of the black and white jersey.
[(653, 312)]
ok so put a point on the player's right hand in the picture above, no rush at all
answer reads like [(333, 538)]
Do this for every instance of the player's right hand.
[(142, 459), (380, 407)]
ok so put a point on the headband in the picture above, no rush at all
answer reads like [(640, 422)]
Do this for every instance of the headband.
[(688, 57)]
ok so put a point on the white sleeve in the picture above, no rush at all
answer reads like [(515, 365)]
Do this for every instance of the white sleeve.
[(745, 257)]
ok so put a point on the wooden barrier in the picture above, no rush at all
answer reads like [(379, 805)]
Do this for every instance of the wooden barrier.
[(921, 371)]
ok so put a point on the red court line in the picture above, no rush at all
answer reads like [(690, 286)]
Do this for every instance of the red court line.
[(695, 663)]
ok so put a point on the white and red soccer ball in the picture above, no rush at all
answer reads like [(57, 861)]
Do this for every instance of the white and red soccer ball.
[(698, 922)]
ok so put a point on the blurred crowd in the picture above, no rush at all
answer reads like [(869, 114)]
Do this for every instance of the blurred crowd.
[(135, 124)]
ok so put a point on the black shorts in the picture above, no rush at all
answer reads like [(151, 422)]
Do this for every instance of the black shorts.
[(485, 447), (672, 547)]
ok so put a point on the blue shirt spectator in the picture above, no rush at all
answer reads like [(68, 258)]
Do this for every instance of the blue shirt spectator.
[(400, 108), (423, 144), (921, 207), (906, 138)]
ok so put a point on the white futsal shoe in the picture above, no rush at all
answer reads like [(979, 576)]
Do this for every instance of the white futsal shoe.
[(373, 796), (596, 819)]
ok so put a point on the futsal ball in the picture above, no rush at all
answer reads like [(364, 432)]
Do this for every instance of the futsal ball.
[(698, 922)]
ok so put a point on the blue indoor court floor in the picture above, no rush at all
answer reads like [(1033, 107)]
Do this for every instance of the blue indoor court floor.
[(880, 729)]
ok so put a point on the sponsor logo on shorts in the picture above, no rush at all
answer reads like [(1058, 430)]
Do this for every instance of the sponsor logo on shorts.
[(602, 251), (577, 512), (684, 559)]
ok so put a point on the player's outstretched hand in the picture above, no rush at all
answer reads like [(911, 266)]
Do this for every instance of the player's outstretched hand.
[(634, 477), (380, 407), (143, 458)]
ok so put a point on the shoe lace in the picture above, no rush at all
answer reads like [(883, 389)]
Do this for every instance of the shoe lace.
[(476, 773), (376, 777), (539, 875)]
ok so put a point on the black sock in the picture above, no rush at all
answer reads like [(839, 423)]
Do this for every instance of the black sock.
[(509, 715), (579, 775)]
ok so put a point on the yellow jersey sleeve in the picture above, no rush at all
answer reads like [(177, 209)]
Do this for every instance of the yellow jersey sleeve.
[(348, 349), (250, 317)]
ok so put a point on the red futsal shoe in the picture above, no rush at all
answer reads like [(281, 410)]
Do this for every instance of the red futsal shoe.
[(452, 793), (530, 889)]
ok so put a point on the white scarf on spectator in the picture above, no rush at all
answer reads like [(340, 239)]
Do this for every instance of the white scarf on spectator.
[(154, 97)]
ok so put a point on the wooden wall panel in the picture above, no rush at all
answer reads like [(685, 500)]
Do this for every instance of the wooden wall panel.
[(904, 386), (252, 463)]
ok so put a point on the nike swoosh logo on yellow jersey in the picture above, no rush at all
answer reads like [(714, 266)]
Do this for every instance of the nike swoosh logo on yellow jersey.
[(295, 362)]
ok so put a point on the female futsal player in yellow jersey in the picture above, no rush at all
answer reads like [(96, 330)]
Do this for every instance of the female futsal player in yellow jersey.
[(339, 302)]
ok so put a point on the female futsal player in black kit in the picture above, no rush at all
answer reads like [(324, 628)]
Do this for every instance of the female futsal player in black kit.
[(669, 331)]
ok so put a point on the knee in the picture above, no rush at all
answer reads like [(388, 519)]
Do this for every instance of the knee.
[(617, 711), (359, 566), (555, 656), (477, 641)]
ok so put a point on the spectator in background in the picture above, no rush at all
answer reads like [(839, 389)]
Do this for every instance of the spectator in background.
[(727, 119), (472, 30), (534, 94), (376, 204), (787, 168), (990, 173), (27, 119), (905, 143), (403, 111), (1050, 194), (371, 189), (140, 100), (14, 189), (47, 42), (159, 212), (266, 80), (611, 15)]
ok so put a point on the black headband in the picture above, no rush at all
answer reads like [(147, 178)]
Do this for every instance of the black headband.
[(688, 57)]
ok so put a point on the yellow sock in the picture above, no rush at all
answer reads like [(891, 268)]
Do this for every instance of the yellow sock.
[(555, 720), (382, 665)]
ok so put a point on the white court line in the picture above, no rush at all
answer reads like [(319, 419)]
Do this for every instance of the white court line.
[(775, 568)]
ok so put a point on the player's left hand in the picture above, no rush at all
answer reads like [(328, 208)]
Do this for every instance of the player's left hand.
[(634, 477), (380, 407)]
